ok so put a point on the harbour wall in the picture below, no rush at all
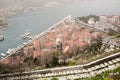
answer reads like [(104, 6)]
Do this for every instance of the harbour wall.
[(66, 20)]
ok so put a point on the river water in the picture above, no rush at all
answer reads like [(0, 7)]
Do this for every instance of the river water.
[(39, 20)]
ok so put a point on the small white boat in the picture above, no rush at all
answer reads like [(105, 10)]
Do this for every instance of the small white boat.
[(25, 35), (30, 37), (24, 43), (3, 54), (10, 51), (19, 46), (1, 37)]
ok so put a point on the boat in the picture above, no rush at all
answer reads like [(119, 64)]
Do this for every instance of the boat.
[(1, 37), (30, 37), (3, 55), (25, 35), (24, 43), (10, 51)]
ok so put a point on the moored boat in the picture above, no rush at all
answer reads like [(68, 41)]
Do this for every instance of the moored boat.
[(25, 35), (3, 54), (10, 51), (1, 37)]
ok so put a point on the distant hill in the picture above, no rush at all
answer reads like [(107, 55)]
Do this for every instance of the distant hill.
[(6, 3), (27, 3)]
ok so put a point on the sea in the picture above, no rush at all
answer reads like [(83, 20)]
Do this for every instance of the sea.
[(37, 21)]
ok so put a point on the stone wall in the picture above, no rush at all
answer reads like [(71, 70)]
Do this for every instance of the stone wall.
[(80, 71)]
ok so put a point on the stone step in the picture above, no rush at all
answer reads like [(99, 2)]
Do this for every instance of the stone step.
[(110, 62), (102, 65), (117, 59), (106, 64)]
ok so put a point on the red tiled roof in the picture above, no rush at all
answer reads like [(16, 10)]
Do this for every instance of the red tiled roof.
[(72, 35), (66, 49), (36, 54), (36, 43)]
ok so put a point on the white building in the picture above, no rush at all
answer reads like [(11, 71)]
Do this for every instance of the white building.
[(91, 21)]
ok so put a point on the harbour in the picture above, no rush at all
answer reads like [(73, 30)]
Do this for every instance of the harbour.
[(42, 20), (14, 50)]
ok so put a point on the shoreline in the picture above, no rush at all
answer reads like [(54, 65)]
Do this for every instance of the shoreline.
[(12, 11), (21, 46)]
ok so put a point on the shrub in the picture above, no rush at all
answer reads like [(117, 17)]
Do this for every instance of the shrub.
[(54, 78), (108, 79), (117, 35), (71, 63), (112, 32), (76, 79), (43, 79)]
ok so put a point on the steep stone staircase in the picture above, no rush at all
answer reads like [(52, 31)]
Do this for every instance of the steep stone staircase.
[(80, 71)]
